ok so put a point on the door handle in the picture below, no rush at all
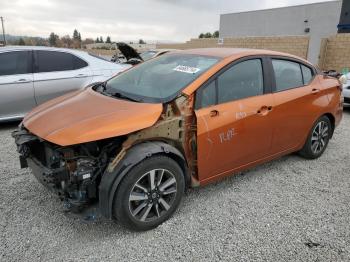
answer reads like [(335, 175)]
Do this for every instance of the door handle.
[(214, 113), (22, 80), (81, 75), (315, 91)]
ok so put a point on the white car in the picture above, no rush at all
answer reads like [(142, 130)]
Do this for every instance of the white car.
[(31, 75), (346, 90)]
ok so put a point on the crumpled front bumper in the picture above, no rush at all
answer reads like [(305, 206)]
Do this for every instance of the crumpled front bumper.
[(49, 177), (34, 153)]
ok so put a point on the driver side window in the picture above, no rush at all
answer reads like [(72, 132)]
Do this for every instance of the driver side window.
[(241, 81)]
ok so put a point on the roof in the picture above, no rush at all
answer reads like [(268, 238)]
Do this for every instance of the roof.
[(229, 52), (13, 48)]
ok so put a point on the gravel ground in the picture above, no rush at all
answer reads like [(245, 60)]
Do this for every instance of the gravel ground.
[(288, 210)]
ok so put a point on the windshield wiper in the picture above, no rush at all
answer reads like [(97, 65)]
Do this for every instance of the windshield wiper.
[(122, 96), (101, 88)]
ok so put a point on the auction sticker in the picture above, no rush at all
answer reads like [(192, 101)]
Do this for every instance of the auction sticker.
[(186, 69)]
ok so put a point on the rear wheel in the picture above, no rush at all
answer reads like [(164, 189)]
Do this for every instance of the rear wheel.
[(149, 194), (318, 139)]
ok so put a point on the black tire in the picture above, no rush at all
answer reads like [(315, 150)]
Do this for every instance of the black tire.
[(123, 206), (308, 151)]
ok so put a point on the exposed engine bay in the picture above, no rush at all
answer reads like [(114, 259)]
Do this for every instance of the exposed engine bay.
[(72, 172)]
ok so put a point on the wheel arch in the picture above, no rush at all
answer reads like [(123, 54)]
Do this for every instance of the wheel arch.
[(332, 119), (111, 180)]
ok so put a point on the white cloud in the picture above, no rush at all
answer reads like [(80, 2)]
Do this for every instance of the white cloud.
[(175, 20)]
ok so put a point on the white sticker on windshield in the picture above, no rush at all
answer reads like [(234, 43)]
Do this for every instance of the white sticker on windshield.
[(186, 69)]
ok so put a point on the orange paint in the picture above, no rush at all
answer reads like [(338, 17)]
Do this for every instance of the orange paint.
[(230, 137)]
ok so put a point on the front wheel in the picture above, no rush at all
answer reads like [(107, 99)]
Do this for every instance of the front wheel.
[(149, 194), (318, 139)]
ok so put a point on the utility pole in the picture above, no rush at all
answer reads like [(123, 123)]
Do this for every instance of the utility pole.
[(3, 29)]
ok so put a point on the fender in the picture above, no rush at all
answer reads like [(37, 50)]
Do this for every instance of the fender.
[(111, 179)]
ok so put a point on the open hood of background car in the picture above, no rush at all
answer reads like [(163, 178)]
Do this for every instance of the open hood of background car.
[(128, 51), (86, 116)]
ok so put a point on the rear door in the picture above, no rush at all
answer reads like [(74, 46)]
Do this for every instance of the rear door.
[(56, 73), (233, 119), (16, 84), (298, 102)]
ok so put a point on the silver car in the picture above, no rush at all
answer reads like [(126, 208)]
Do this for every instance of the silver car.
[(30, 76), (346, 90)]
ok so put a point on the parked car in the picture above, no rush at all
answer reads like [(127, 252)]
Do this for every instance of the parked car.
[(155, 53), (30, 76), (346, 90), (130, 56), (127, 149)]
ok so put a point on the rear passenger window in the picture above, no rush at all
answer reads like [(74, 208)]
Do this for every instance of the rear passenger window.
[(14, 63), (52, 61), (307, 74), (241, 81), (79, 63), (287, 74)]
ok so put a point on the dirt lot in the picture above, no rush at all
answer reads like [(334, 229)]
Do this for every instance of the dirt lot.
[(288, 210)]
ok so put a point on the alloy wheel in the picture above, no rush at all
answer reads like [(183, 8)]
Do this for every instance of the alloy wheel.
[(152, 195), (319, 137)]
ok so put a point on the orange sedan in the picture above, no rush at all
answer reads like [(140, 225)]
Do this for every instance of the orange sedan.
[(127, 148)]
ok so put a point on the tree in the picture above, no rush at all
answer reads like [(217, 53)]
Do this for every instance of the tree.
[(53, 39), (141, 42), (108, 40), (79, 37), (21, 41), (97, 40), (88, 41), (76, 34), (101, 39), (208, 35), (67, 41)]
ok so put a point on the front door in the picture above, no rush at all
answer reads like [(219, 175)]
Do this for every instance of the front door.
[(234, 126), (16, 84)]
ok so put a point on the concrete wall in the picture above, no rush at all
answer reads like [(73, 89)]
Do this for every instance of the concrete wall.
[(322, 19), (296, 45)]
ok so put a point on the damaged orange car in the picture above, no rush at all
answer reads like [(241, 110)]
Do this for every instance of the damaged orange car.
[(126, 149)]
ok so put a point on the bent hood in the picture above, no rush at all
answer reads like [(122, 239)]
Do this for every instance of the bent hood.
[(86, 116)]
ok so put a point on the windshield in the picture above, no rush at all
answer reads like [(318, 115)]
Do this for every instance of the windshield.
[(148, 55), (160, 79)]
